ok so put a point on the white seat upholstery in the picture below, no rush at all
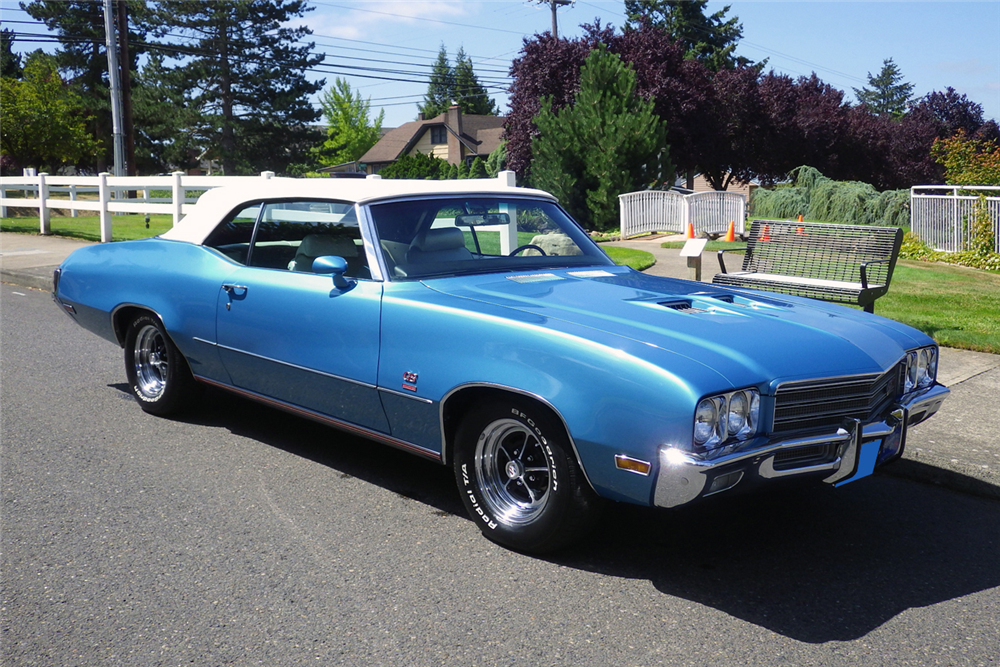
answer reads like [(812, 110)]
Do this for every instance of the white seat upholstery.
[(319, 245), (446, 244)]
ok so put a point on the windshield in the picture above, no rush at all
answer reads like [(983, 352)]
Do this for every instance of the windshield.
[(449, 236)]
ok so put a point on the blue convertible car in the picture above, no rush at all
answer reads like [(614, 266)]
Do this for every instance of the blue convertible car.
[(476, 324)]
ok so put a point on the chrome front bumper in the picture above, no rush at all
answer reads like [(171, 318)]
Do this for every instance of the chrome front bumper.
[(857, 449)]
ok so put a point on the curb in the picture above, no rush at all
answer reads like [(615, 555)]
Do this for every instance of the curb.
[(37, 278)]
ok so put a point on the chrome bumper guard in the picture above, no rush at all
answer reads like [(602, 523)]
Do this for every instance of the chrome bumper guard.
[(684, 477)]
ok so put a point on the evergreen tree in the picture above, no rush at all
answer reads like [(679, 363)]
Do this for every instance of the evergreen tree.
[(163, 138), (470, 95), (478, 168), (497, 160), (709, 39), (244, 75), (350, 129), (607, 142), (10, 62), (888, 94), (455, 85), (439, 90)]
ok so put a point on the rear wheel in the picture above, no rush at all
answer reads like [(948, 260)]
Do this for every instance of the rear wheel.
[(158, 374), (519, 478)]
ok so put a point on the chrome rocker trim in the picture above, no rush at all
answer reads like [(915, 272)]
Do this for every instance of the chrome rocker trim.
[(684, 477)]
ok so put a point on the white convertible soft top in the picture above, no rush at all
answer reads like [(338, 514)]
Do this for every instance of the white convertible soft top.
[(216, 203)]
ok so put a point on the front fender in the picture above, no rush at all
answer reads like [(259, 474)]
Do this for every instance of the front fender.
[(615, 395)]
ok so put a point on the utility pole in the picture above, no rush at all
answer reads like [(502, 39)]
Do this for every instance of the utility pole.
[(126, 87), (113, 72), (555, 4)]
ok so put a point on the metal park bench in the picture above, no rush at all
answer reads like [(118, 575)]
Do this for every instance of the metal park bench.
[(840, 263)]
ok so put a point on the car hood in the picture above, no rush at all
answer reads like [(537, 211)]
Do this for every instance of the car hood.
[(747, 336)]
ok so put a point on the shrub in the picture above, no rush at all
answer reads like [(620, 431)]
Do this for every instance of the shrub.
[(816, 197)]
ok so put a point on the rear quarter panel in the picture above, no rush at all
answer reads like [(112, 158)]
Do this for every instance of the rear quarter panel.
[(178, 281)]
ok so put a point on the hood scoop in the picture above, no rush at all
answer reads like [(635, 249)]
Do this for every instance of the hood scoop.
[(700, 304), (682, 306)]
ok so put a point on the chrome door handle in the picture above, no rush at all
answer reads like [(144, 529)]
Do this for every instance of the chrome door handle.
[(237, 292)]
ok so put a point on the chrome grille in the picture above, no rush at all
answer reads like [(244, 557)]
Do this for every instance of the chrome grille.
[(827, 402)]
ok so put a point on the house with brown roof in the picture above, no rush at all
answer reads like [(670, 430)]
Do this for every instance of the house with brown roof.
[(451, 136), (701, 184)]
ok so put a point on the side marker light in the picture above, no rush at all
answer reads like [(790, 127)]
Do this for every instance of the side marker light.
[(623, 462)]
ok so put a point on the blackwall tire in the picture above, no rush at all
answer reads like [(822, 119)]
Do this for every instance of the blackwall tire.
[(158, 375), (519, 478)]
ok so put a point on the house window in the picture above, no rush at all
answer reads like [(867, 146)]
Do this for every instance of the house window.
[(439, 135)]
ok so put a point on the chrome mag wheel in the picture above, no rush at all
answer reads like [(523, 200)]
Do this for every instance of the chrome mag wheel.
[(513, 471), (151, 362)]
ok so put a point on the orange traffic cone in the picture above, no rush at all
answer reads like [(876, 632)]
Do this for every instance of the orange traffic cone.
[(690, 232), (765, 236), (799, 231), (731, 234), (800, 217)]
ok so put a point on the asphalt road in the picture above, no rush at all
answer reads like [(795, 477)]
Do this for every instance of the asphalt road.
[(243, 536)]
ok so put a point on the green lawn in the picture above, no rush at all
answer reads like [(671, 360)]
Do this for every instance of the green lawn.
[(640, 260), (88, 228), (711, 246), (954, 305)]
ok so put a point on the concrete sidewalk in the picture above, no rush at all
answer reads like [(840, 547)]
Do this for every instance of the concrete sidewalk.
[(958, 448), (28, 259)]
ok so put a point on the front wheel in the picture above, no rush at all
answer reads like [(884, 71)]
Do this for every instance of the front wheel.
[(519, 478), (158, 374)]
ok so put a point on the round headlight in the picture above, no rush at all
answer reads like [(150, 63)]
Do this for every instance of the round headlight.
[(911, 371), (754, 412), (925, 370), (739, 410), (932, 362), (706, 419)]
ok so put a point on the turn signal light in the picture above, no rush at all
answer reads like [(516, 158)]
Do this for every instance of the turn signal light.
[(623, 462)]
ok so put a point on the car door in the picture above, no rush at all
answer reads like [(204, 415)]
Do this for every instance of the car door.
[(290, 334)]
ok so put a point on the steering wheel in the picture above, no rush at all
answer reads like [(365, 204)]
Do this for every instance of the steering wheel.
[(525, 247)]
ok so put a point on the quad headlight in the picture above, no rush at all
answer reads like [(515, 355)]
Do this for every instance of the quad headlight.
[(921, 369), (726, 417)]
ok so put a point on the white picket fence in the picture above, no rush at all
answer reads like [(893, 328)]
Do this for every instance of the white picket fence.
[(940, 214), (669, 211), (45, 193)]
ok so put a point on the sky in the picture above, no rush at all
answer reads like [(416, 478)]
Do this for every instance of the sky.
[(385, 48)]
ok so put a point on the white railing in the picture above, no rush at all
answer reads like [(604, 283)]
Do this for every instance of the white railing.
[(669, 211), (112, 195), (940, 215)]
